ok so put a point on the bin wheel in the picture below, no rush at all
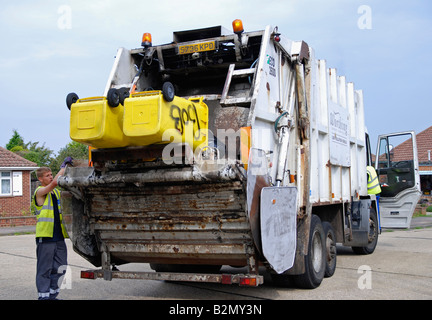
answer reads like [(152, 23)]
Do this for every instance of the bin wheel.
[(113, 97), (71, 98), (168, 91), (124, 93)]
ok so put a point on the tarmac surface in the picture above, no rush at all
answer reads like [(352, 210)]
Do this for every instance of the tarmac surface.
[(17, 230), (398, 270)]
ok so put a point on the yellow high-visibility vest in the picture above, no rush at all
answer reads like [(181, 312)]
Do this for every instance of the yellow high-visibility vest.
[(373, 182), (45, 216)]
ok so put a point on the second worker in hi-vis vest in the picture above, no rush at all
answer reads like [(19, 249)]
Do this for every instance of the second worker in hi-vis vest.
[(373, 184)]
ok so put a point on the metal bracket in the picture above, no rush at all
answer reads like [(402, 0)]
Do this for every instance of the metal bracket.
[(106, 264)]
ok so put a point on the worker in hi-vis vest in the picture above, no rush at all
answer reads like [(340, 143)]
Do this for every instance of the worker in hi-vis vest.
[(372, 182), (374, 187), (51, 249)]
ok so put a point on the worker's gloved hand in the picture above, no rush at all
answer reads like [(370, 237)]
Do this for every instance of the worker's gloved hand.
[(67, 160)]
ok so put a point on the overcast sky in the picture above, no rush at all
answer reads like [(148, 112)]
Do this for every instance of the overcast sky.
[(50, 48)]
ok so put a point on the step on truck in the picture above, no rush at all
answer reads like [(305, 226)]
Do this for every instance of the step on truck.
[(224, 148)]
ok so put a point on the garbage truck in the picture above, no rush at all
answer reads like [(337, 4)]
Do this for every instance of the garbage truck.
[(223, 150)]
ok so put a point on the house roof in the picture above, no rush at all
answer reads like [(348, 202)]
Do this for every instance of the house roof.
[(9, 159), (424, 144)]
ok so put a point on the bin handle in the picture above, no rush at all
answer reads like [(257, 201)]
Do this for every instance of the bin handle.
[(199, 99)]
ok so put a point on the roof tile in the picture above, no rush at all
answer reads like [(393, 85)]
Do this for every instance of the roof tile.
[(10, 159)]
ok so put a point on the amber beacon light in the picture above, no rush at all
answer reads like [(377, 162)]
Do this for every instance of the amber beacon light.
[(237, 26), (146, 40)]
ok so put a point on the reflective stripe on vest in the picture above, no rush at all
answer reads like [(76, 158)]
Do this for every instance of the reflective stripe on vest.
[(373, 183), (45, 216)]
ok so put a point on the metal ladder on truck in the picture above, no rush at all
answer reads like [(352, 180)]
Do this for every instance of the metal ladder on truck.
[(240, 73)]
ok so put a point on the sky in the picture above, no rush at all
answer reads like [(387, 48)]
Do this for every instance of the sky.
[(50, 48)]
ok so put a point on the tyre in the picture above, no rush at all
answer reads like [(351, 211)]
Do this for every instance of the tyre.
[(330, 240), (282, 280), (71, 98), (123, 93), (113, 97), (315, 259), (372, 237), (168, 91), (201, 268)]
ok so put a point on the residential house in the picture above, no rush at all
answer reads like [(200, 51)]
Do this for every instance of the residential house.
[(15, 189), (424, 151), (424, 154)]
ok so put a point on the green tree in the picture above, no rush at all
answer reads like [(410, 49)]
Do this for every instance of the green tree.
[(43, 156), (76, 150), (15, 141), (31, 151), (40, 155)]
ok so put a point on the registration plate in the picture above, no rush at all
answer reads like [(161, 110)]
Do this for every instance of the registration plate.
[(197, 47)]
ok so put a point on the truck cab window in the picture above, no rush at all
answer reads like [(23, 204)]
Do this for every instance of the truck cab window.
[(396, 164)]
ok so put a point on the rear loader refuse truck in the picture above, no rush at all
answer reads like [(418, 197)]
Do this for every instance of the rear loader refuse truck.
[(225, 148)]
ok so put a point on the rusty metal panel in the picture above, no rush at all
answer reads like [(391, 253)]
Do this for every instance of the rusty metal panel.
[(194, 221), (258, 179), (172, 276)]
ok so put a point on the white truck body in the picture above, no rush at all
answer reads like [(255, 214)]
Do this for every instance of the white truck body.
[(282, 179)]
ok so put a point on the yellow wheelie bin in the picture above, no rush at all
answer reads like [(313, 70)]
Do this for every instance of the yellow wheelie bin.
[(95, 123), (150, 119), (138, 119)]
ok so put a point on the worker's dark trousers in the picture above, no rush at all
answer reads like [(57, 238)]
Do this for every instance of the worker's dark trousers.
[(50, 256)]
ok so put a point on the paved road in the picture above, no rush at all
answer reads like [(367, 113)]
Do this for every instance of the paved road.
[(400, 268)]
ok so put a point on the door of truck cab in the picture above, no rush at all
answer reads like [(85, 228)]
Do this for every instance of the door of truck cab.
[(397, 168)]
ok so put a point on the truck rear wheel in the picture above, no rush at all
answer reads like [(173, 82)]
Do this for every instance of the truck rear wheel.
[(372, 237), (330, 261), (315, 259)]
